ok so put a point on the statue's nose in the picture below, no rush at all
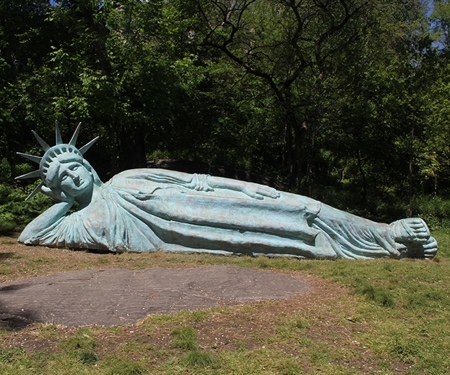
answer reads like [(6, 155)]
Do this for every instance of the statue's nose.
[(74, 176)]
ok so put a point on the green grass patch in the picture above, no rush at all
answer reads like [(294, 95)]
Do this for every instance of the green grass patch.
[(184, 338), (119, 365), (197, 358), (81, 346), (375, 293)]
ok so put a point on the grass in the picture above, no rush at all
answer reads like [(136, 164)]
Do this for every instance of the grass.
[(361, 317)]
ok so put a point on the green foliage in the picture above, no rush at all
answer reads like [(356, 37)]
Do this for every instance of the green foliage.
[(7, 223), (434, 210), (5, 170), (15, 212), (343, 101)]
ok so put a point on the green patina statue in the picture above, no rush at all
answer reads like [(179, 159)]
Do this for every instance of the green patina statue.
[(152, 209)]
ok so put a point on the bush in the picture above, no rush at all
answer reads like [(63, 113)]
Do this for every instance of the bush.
[(15, 212), (434, 210), (7, 223), (5, 191), (5, 170)]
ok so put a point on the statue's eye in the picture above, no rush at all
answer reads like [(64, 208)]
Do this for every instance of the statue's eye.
[(75, 168), (64, 177)]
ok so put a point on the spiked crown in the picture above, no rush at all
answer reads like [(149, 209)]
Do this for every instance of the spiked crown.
[(55, 153)]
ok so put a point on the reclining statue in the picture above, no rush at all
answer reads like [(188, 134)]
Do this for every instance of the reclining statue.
[(146, 210)]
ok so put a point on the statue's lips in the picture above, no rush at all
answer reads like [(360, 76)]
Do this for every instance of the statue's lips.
[(79, 182)]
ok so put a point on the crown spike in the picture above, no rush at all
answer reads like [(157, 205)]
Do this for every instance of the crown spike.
[(74, 138), (35, 191), (36, 159), (29, 175), (87, 146), (43, 144), (58, 134)]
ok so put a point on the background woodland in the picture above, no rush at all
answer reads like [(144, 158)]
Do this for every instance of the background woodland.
[(346, 101)]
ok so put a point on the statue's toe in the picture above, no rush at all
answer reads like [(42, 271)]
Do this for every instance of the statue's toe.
[(430, 248), (425, 250)]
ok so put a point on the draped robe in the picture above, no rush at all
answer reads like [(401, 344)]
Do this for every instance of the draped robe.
[(135, 211)]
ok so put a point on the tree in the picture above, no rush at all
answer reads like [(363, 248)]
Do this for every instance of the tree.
[(434, 158), (289, 46), (24, 43)]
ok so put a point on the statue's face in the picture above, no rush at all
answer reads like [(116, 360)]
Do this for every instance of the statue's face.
[(75, 179)]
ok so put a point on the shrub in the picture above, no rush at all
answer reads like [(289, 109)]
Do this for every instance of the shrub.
[(5, 170), (7, 223), (434, 210), (5, 191), (15, 212)]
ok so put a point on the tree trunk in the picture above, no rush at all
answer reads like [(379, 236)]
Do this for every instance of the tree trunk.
[(363, 178), (294, 138), (130, 148), (411, 173)]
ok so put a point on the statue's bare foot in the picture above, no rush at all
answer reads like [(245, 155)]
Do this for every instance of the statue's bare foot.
[(425, 250), (410, 230), (430, 248)]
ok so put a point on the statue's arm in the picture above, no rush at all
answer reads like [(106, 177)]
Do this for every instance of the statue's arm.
[(45, 220), (251, 189), (203, 182)]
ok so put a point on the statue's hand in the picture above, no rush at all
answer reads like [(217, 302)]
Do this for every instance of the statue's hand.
[(57, 194), (199, 182), (260, 191)]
